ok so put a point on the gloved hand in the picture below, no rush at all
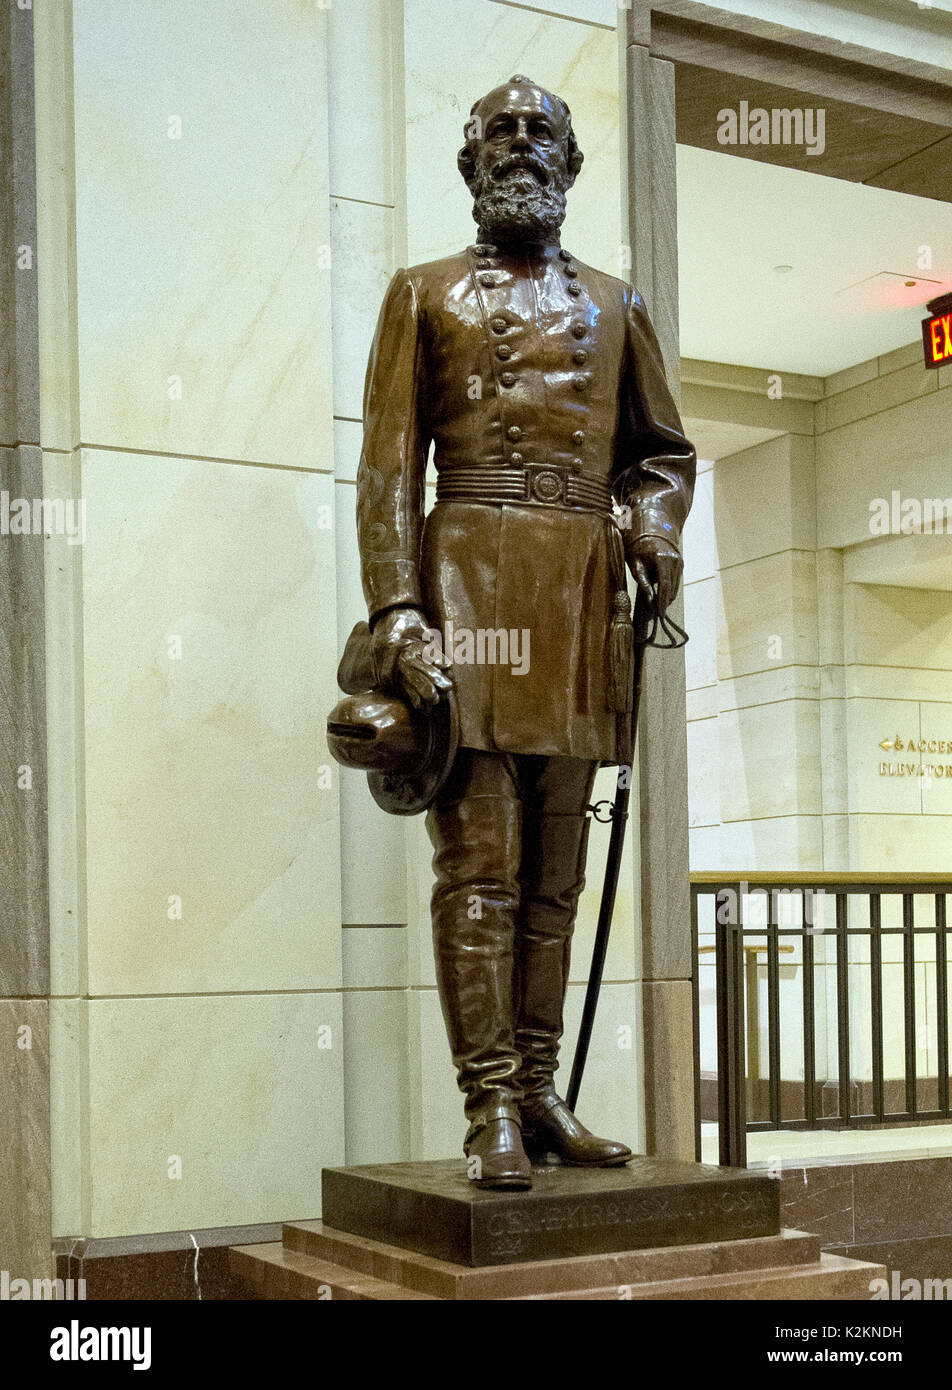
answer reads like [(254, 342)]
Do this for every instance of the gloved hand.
[(401, 647), (654, 561)]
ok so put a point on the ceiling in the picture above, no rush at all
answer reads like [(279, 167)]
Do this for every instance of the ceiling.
[(850, 250)]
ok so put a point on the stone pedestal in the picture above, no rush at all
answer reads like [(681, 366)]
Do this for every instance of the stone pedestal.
[(434, 1209), (652, 1230)]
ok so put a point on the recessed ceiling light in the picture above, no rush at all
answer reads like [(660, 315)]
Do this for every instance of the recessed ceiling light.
[(783, 269)]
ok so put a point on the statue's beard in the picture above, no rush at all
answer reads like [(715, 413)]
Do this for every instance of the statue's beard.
[(518, 206)]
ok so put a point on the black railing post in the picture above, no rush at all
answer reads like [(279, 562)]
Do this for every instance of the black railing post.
[(731, 1089), (909, 991), (809, 1017), (773, 1008), (843, 1006), (942, 1000), (876, 1000)]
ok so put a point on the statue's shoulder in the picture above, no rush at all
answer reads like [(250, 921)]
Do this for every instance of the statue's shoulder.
[(430, 275), (609, 289)]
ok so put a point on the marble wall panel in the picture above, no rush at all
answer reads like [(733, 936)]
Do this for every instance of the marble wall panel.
[(245, 1091), (376, 1072), (699, 541), (768, 765), (764, 500), (202, 232), (374, 958), (25, 1199), (64, 741), (899, 844), (868, 723), (24, 940), (768, 615), (364, 58), (700, 613), (936, 728), (209, 788), (363, 248), (792, 842), (866, 460), (704, 780), (906, 629), (69, 1115)]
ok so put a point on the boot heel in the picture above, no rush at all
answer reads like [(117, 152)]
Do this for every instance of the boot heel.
[(537, 1149)]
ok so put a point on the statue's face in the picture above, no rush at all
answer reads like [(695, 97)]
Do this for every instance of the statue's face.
[(523, 135), (521, 173)]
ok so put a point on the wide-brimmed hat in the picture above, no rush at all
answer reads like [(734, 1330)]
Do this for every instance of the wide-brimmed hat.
[(406, 753)]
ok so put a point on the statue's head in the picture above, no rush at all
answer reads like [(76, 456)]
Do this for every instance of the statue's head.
[(519, 160)]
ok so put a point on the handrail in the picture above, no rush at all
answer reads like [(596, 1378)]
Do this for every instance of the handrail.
[(818, 878)]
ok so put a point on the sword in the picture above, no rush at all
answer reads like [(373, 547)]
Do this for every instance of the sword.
[(645, 621)]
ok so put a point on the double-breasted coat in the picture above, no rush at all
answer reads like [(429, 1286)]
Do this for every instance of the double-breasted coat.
[(540, 385)]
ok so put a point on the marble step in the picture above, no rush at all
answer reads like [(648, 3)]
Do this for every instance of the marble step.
[(446, 1280), (316, 1262), (278, 1273), (832, 1279)]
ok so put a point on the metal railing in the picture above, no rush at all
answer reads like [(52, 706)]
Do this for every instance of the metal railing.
[(831, 911)]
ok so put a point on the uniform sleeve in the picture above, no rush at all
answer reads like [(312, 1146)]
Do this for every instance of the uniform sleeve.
[(654, 465), (390, 478)]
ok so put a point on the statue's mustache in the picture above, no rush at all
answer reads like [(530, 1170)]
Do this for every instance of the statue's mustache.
[(519, 162)]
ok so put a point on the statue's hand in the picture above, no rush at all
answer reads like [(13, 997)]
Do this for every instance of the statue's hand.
[(406, 659), (653, 562)]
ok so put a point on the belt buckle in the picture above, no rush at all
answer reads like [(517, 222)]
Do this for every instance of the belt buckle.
[(546, 485)]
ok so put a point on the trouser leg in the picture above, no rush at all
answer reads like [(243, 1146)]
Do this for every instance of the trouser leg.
[(475, 827)]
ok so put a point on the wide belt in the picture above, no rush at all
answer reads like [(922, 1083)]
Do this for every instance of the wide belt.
[(534, 485)]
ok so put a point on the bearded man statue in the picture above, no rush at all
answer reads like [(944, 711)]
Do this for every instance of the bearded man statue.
[(539, 384)]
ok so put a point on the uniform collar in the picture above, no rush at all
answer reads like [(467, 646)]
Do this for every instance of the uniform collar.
[(533, 250)]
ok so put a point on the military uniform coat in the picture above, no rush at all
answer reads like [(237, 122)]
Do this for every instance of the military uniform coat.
[(522, 360)]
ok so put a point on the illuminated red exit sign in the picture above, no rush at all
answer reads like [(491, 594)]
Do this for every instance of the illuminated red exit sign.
[(937, 332)]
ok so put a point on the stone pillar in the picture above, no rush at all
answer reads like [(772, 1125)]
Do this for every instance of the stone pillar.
[(667, 957), (25, 1227)]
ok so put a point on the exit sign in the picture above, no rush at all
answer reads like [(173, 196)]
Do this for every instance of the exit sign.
[(937, 332)]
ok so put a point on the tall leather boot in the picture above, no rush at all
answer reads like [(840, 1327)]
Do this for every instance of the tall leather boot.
[(553, 878), (474, 906)]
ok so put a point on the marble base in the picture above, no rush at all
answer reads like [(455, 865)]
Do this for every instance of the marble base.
[(432, 1208), (315, 1262)]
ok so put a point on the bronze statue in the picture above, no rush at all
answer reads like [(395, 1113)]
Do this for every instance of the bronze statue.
[(540, 383)]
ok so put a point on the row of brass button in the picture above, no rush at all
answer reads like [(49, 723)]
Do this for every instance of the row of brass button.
[(504, 351)]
